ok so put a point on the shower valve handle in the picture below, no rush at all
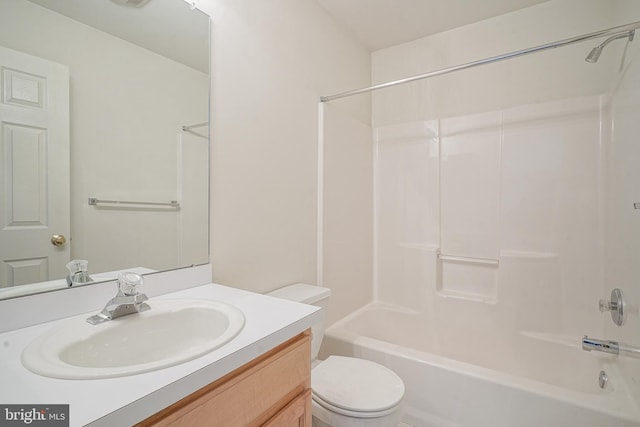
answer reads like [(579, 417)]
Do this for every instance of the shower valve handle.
[(605, 305), (615, 306)]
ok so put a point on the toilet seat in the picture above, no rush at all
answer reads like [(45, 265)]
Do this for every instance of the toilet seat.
[(356, 387), (353, 414)]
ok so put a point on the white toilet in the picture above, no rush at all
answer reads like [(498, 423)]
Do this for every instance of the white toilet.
[(346, 392)]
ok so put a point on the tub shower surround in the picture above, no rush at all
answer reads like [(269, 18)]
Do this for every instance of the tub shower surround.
[(495, 208), (485, 227)]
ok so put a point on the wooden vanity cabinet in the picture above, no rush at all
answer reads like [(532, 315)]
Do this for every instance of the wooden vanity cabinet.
[(273, 390)]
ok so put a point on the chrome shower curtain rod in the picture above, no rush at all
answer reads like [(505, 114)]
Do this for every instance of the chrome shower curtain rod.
[(560, 43)]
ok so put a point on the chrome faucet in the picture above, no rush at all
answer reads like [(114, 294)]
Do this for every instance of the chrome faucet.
[(127, 301), (78, 272), (605, 346), (612, 347)]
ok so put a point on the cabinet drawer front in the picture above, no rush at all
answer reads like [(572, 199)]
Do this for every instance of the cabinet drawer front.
[(296, 414), (248, 396)]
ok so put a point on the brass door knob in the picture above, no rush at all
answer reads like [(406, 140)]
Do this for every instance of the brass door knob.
[(58, 240)]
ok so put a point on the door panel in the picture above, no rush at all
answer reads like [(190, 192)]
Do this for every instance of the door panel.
[(34, 165)]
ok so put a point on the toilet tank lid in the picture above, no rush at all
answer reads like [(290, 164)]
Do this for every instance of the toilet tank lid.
[(302, 292)]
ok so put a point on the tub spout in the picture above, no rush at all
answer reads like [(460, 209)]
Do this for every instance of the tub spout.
[(605, 346), (612, 347)]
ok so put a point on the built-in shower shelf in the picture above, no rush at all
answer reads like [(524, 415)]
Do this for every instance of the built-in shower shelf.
[(420, 246), (469, 260), (527, 254), (468, 296), (469, 278)]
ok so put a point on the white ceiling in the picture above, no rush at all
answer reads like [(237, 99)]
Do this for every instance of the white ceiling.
[(183, 34), (382, 23), (167, 27)]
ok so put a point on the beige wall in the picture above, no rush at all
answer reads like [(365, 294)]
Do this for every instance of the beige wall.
[(271, 63)]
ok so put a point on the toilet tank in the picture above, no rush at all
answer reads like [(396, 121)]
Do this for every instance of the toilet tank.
[(313, 295)]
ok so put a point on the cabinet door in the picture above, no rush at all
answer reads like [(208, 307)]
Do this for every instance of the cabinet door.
[(251, 395), (296, 414)]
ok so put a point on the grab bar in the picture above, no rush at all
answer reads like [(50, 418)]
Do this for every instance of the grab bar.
[(612, 347), (94, 201)]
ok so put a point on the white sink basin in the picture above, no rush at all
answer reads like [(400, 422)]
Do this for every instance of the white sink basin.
[(172, 332)]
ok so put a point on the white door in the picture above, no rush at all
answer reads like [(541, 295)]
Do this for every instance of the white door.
[(34, 168)]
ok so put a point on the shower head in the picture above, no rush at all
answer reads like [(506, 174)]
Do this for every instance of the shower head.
[(594, 55), (596, 51)]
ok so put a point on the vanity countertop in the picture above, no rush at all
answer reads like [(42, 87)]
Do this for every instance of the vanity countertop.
[(128, 400)]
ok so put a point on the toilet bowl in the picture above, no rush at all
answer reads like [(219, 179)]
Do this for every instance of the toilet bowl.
[(346, 391)]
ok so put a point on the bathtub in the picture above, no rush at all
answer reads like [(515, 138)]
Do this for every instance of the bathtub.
[(470, 381)]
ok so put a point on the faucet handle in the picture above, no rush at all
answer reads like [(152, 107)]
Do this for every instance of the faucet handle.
[(78, 266), (605, 305), (129, 282), (78, 272), (615, 306)]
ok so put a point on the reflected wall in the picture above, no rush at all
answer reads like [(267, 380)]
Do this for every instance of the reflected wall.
[(127, 107)]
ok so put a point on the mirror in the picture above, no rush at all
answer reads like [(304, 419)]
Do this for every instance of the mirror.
[(104, 150)]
